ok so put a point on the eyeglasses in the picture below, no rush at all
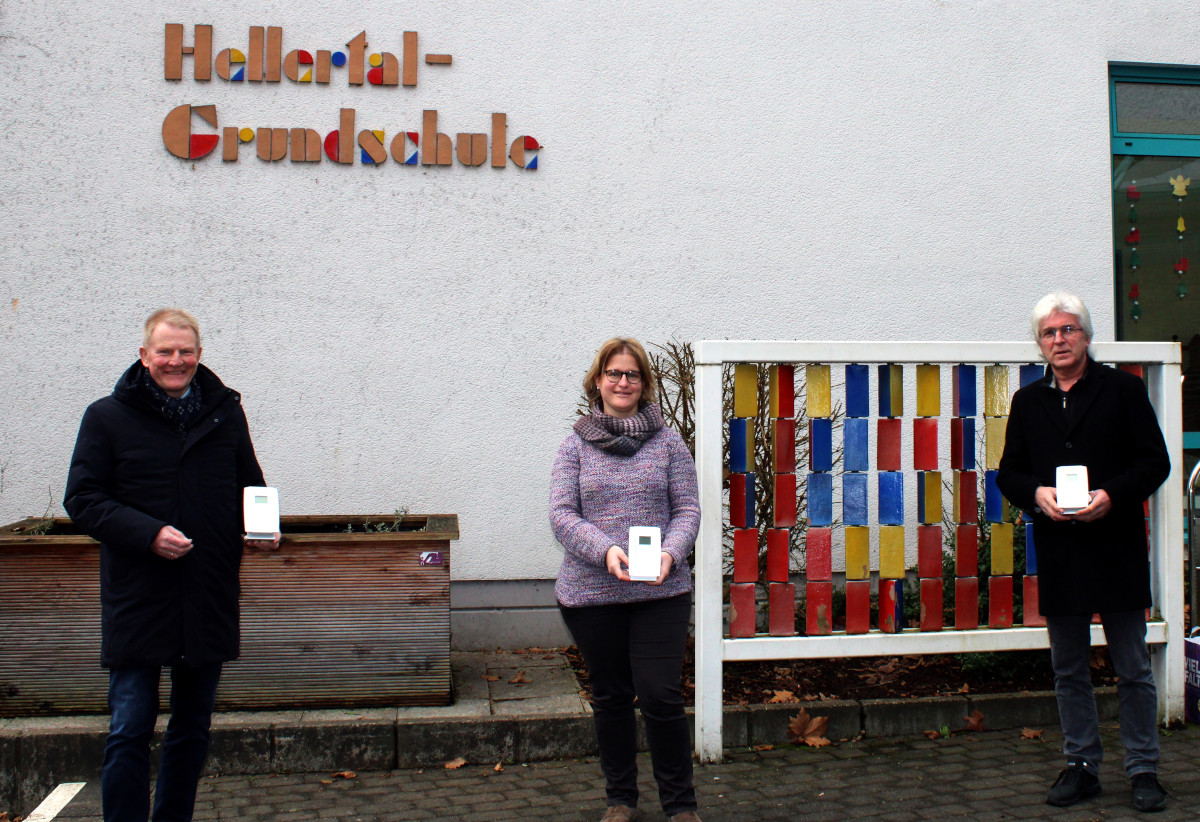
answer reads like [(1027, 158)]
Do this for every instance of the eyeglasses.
[(1068, 331), (614, 376)]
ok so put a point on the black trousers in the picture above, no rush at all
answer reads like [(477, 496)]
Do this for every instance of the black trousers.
[(636, 650)]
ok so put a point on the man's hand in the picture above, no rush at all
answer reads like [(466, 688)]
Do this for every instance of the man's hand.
[(614, 560), (663, 569), (170, 543), (1047, 502), (264, 544), (1098, 508)]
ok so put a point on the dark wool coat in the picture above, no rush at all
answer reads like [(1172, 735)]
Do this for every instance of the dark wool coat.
[(1088, 567), (134, 471)]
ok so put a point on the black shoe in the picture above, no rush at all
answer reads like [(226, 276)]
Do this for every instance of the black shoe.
[(1074, 784), (1148, 795)]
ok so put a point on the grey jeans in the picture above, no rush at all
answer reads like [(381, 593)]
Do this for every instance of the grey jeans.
[(1070, 654)]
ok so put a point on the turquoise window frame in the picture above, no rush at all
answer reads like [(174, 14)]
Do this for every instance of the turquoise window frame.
[(1140, 143)]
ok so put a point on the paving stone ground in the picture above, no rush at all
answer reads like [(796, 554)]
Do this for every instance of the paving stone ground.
[(993, 775)]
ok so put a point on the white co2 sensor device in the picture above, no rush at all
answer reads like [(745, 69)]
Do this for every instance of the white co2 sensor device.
[(260, 507), (645, 553), (1071, 488)]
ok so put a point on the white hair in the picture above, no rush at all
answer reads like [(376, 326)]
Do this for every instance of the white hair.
[(1065, 302)]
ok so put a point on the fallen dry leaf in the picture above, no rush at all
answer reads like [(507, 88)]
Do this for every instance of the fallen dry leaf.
[(1032, 733), (491, 678), (974, 721), (345, 775), (763, 748), (326, 781), (499, 768), (932, 734), (783, 696), (809, 730), (520, 679), (455, 764)]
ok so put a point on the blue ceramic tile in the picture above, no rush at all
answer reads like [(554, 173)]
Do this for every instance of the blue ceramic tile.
[(891, 498), (993, 503), (854, 499), (855, 456), (968, 405), (858, 391), (820, 499), (820, 445)]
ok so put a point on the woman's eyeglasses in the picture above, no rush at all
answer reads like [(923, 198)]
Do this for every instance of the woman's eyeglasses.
[(614, 376)]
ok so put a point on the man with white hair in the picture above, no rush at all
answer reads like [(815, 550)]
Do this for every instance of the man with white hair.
[(157, 478), (1091, 559)]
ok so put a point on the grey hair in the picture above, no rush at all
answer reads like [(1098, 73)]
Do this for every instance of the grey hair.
[(1065, 302), (174, 317)]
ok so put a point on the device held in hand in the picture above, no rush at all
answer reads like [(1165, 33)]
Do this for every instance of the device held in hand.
[(1071, 488), (645, 551), (260, 512)]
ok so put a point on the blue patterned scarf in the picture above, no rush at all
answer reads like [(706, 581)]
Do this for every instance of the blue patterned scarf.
[(179, 410)]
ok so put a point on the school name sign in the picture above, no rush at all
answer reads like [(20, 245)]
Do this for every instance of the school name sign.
[(193, 132)]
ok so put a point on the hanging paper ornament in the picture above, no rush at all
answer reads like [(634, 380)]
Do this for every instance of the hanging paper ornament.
[(1134, 259), (1134, 236), (1181, 265), (1136, 311), (1181, 185), (1132, 213), (1133, 292), (1131, 192), (1180, 227), (1181, 289)]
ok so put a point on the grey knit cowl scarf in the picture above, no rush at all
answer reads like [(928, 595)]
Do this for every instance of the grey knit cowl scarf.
[(620, 435)]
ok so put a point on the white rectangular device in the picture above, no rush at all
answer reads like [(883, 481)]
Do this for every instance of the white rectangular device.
[(1071, 487), (645, 552), (260, 507)]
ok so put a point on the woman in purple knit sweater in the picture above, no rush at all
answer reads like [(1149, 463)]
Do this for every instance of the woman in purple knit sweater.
[(622, 468)]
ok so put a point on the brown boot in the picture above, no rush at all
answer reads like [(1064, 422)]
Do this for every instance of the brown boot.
[(619, 813), (686, 816)]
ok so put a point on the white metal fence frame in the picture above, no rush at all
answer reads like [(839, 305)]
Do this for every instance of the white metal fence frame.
[(1162, 369)]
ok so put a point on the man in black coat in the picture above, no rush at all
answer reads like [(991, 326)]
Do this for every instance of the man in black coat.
[(157, 478), (1093, 559)]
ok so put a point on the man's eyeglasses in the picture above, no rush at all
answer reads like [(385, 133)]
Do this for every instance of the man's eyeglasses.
[(1068, 331), (614, 376)]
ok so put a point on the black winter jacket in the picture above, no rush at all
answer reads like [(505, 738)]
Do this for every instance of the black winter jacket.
[(1088, 567), (134, 471)]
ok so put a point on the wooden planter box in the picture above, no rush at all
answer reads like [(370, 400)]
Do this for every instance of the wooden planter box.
[(333, 619)]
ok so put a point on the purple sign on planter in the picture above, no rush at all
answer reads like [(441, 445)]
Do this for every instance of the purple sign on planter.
[(431, 558), (1191, 683)]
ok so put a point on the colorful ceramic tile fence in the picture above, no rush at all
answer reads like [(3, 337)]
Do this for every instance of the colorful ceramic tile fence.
[(856, 521)]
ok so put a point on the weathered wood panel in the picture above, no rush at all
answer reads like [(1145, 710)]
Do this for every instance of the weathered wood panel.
[(333, 619)]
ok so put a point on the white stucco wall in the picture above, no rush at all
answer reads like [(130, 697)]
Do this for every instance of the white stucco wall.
[(416, 336)]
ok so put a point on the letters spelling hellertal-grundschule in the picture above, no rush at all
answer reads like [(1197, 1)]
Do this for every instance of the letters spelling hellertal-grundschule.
[(265, 61)]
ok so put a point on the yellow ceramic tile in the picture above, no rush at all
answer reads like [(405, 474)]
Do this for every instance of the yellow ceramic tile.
[(929, 387), (995, 391), (858, 552), (1002, 549), (993, 441), (933, 497), (891, 551), (745, 390), (817, 391)]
